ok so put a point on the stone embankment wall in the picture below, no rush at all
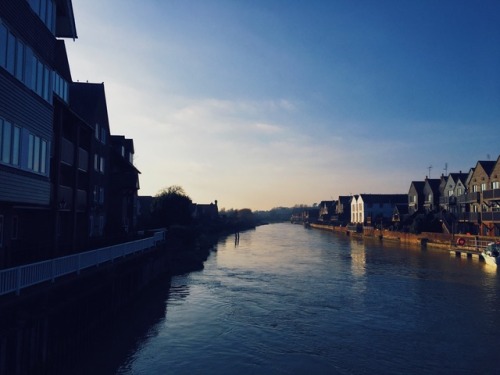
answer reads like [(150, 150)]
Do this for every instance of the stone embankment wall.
[(45, 328), (443, 241)]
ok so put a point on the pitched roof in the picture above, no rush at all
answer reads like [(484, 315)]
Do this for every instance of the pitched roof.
[(88, 100), (459, 176), (65, 20), (384, 198), (487, 165), (433, 183), (419, 185)]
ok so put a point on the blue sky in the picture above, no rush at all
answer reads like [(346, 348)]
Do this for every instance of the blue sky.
[(272, 103)]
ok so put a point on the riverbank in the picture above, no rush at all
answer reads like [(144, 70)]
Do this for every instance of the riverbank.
[(444, 241)]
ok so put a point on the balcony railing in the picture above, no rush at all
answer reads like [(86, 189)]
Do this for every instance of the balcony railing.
[(471, 217), (18, 278), (469, 198), (493, 194), (65, 198), (448, 200), (491, 216)]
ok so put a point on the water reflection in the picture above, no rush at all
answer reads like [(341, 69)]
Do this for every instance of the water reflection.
[(116, 344), (358, 256)]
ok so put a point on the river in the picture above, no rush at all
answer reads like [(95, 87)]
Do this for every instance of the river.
[(289, 300)]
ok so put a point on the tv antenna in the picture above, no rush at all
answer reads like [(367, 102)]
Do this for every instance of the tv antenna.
[(446, 169), (429, 168)]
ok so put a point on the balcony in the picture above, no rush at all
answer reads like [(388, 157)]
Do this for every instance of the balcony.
[(67, 152), (448, 200), (65, 200), (469, 217), (491, 216), (469, 198), (81, 200), (83, 160), (493, 194)]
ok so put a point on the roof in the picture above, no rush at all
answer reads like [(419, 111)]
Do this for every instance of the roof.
[(403, 209), (65, 20), (384, 198), (88, 100), (459, 176), (487, 165), (433, 183), (120, 140)]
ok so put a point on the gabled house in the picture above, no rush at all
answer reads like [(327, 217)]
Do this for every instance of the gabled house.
[(205, 212), (455, 186), (489, 178), (416, 197), (432, 194), (123, 187), (375, 209), (399, 214), (88, 100), (33, 81), (326, 210), (343, 210)]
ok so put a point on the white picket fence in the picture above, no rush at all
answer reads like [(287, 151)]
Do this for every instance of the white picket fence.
[(17, 278)]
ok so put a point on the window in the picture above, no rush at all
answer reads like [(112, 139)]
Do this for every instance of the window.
[(10, 143), (483, 186), (60, 86), (103, 135), (459, 191), (96, 198), (20, 61), (6, 141), (45, 9), (495, 185), (101, 195), (474, 188), (16, 145), (96, 162), (101, 165), (96, 131), (43, 156), (11, 53), (37, 154)]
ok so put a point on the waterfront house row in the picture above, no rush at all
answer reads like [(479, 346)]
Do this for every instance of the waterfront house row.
[(461, 202), (65, 182)]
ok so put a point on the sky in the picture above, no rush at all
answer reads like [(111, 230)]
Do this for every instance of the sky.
[(267, 103)]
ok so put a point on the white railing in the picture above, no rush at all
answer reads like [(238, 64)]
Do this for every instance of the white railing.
[(17, 278)]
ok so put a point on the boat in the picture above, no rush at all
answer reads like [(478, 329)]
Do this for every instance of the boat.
[(491, 253)]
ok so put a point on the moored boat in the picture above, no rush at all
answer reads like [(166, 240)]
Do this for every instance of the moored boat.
[(491, 253)]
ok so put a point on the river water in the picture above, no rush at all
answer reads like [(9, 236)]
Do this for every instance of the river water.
[(290, 300)]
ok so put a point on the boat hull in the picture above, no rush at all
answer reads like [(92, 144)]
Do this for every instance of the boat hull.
[(488, 259)]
